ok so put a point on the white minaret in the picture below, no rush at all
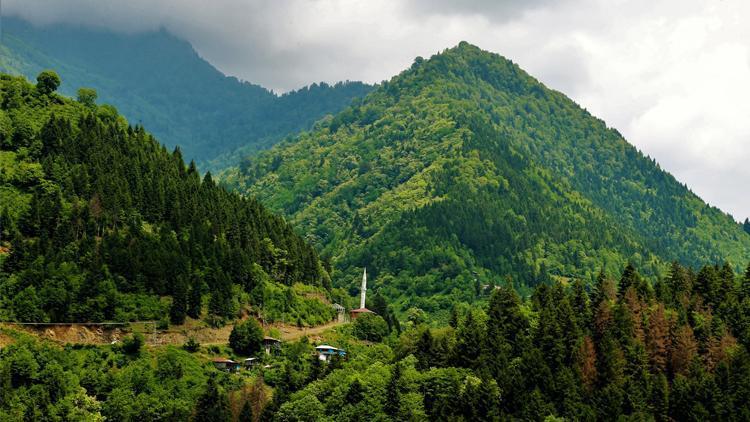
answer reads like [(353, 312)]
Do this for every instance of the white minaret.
[(363, 291)]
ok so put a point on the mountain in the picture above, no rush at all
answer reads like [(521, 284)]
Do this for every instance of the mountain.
[(98, 221), (464, 171), (159, 81)]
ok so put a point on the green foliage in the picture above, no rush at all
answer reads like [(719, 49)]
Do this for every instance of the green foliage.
[(300, 302), (538, 359), (370, 327), (47, 82), (246, 337), (464, 173), (212, 405), (132, 344), (42, 381), (161, 82), (191, 345), (100, 221), (87, 97)]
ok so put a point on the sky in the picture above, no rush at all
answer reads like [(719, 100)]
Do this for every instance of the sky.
[(673, 76)]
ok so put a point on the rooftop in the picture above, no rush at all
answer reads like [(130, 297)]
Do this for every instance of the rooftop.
[(362, 310)]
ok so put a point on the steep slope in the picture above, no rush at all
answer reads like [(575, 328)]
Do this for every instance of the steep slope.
[(98, 221), (159, 81), (464, 170)]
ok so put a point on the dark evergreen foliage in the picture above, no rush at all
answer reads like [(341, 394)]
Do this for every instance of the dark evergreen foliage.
[(105, 220)]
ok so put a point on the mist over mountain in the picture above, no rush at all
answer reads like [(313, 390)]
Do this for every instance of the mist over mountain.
[(159, 81)]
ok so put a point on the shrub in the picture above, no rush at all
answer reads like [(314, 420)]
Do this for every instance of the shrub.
[(132, 344), (370, 327), (246, 337), (191, 345)]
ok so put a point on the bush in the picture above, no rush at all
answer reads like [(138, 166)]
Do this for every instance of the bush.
[(370, 327), (132, 344), (246, 337), (191, 345)]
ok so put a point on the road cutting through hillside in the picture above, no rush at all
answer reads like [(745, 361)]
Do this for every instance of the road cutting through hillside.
[(89, 333)]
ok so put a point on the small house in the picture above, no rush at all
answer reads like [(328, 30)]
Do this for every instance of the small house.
[(251, 363), (271, 345), (326, 352), (227, 365)]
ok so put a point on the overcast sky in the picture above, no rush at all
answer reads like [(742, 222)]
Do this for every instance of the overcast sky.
[(672, 76)]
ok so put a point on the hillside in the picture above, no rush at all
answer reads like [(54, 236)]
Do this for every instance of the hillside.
[(464, 171), (98, 221), (159, 81)]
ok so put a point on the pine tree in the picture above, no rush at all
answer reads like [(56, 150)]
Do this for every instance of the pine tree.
[(453, 320), (745, 286), (657, 340), (212, 405), (195, 301), (246, 414), (603, 289), (630, 278), (468, 347), (684, 349), (506, 324), (424, 352), (178, 309), (392, 405), (580, 303)]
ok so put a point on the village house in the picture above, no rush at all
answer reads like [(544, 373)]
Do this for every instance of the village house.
[(227, 365), (326, 352), (271, 345)]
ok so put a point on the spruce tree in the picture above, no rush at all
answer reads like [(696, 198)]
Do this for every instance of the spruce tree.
[(246, 414), (195, 301), (178, 309), (392, 406), (212, 405)]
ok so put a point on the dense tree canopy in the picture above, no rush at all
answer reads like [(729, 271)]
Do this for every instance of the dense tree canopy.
[(661, 353), (464, 171), (99, 220)]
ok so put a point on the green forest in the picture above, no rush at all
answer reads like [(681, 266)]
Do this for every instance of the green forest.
[(465, 172), (525, 262), (99, 222), (620, 349)]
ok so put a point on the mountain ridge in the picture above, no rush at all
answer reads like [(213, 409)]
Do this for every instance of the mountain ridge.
[(159, 80), (554, 191)]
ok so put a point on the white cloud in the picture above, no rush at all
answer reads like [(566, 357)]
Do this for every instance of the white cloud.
[(672, 75)]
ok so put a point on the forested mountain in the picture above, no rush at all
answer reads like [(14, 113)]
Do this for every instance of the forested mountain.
[(160, 82), (465, 171), (98, 220)]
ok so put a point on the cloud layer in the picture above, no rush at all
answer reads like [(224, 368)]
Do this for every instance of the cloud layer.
[(672, 75)]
